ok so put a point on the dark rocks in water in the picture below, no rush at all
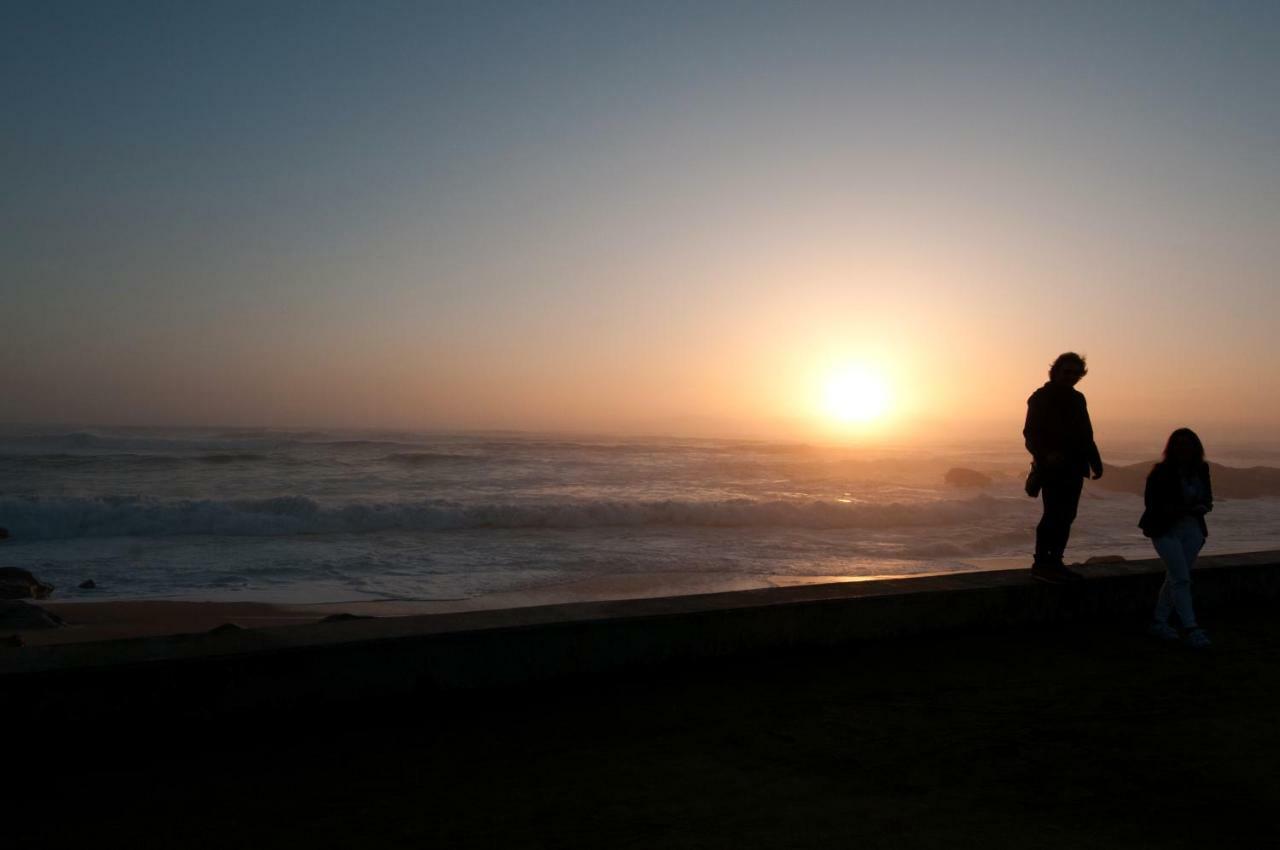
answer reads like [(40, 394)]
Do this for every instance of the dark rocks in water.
[(17, 583), (88, 584), (24, 615), (1126, 479), (344, 616), (226, 628), (960, 477), (1229, 482), (1105, 559)]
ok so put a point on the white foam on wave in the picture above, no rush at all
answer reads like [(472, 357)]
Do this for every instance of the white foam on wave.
[(61, 517)]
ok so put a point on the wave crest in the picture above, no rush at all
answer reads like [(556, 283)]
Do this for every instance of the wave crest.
[(416, 459), (63, 517)]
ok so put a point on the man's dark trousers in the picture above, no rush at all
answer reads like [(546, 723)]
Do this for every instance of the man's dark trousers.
[(1061, 494)]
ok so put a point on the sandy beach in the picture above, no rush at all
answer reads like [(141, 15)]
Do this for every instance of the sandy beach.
[(87, 621)]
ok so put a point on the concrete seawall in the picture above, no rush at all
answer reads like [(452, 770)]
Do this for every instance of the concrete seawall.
[(204, 674)]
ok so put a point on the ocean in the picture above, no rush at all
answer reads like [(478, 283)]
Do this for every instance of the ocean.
[(313, 516)]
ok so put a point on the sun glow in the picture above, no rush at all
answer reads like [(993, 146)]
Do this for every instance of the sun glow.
[(855, 395)]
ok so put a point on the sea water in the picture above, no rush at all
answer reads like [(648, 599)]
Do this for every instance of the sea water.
[(334, 516)]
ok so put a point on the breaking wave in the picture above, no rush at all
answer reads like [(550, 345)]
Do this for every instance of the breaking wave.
[(416, 459), (63, 517)]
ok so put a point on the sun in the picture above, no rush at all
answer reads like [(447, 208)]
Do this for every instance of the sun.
[(855, 394)]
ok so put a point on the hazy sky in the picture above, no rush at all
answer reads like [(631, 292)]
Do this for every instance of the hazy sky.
[(641, 216)]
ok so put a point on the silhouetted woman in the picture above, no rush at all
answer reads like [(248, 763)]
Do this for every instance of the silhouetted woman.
[(1178, 495)]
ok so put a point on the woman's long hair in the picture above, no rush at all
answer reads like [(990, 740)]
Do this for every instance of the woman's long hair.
[(1184, 434)]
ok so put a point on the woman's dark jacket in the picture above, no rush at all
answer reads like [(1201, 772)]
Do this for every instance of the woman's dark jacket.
[(1166, 503)]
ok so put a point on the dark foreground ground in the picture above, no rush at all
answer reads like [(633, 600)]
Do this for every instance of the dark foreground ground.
[(1084, 736)]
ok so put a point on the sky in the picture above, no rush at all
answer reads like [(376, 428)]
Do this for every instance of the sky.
[(639, 217)]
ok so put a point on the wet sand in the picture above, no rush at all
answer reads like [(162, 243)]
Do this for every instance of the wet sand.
[(114, 619), (89, 621)]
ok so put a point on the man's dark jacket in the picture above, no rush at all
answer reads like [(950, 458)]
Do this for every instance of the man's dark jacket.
[(1058, 422), (1165, 502)]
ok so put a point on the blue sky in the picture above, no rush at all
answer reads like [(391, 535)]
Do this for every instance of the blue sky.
[(622, 215)]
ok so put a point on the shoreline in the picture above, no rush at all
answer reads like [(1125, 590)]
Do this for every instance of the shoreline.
[(991, 595), (90, 620)]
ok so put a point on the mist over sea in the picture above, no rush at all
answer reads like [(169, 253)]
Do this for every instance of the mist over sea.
[(332, 516)]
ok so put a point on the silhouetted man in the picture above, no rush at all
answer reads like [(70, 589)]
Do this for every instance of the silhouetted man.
[(1059, 436)]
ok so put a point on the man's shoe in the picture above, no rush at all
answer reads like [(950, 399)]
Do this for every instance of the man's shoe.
[(1053, 574), (1163, 631)]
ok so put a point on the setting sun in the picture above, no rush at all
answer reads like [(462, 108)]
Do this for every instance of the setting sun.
[(855, 394)]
